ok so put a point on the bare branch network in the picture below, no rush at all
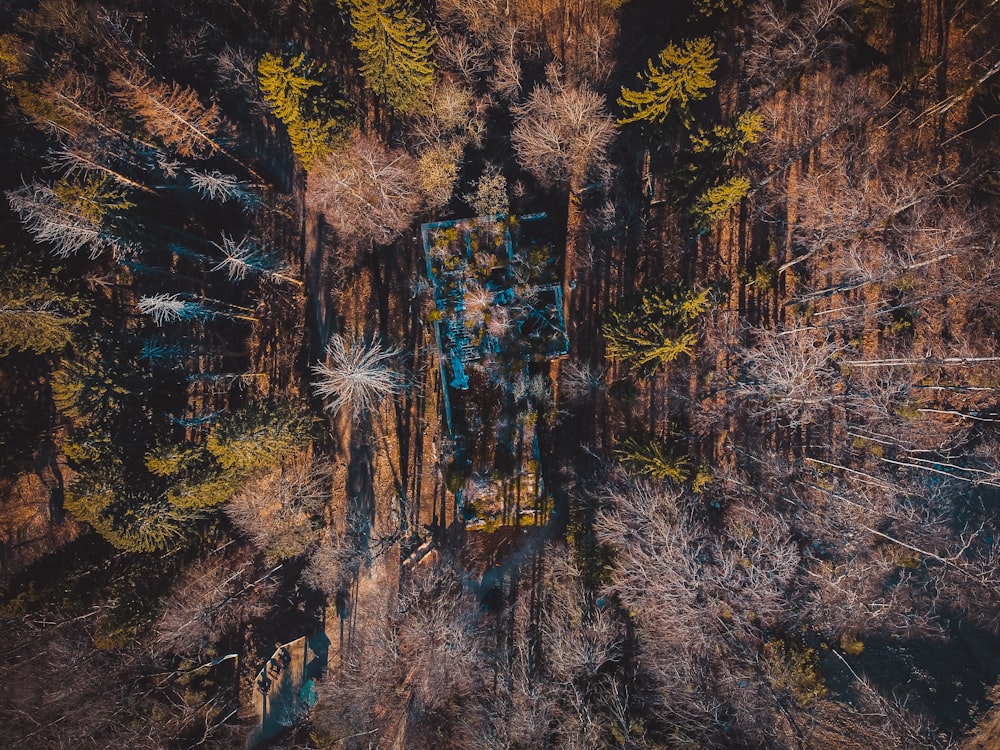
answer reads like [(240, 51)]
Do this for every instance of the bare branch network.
[(170, 308), (358, 375), (49, 221), (247, 258), (366, 190)]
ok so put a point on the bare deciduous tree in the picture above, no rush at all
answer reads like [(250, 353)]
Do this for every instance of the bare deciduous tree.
[(237, 68), (439, 636), (366, 190), (506, 79), (562, 133), (793, 373), (579, 381), (451, 116), (280, 512), (210, 600), (333, 564), (468, 59), (704, 599), (785, 42), (579, 640)]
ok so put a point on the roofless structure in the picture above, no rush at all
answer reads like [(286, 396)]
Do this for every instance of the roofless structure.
[(498, 317)]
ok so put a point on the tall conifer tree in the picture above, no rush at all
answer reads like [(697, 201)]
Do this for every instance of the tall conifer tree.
[(682, 75), (295, 94), (396, 50)]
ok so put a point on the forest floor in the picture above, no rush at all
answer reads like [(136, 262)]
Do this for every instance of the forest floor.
[(389, 466)]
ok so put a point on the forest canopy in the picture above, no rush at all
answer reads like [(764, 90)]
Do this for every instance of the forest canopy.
[(480, 374)]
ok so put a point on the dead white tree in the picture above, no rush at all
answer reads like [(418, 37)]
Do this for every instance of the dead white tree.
[(358, 375), (216, 185), (50, 220), (171, 308), (89, 158), (248, 258)]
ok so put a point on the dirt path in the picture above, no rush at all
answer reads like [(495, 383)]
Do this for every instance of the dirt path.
[(393, 478)]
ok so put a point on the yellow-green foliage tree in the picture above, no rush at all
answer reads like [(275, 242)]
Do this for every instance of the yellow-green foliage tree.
[(35, 316), (195, 478), (716, 202), (396, 49), (258, 437), (711, 7), (656, 331), (292, 89), (654, 458), (95, 386), (703, 182), (239, 446), (285, 84), (105, 395), (682, 75), (32, 319), (794, 670), (725, 143), (143, 498), (11, 58), (133, 517)]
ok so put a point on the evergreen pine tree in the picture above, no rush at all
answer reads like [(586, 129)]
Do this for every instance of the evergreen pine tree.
[(717, 201), (312, 138), (654, 458), (259, 436), (32, 318), (656, 331), (724, 143), (683, 75), (35, 315), (396, 50), (295, 94), (286, 84), (133, 517)]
